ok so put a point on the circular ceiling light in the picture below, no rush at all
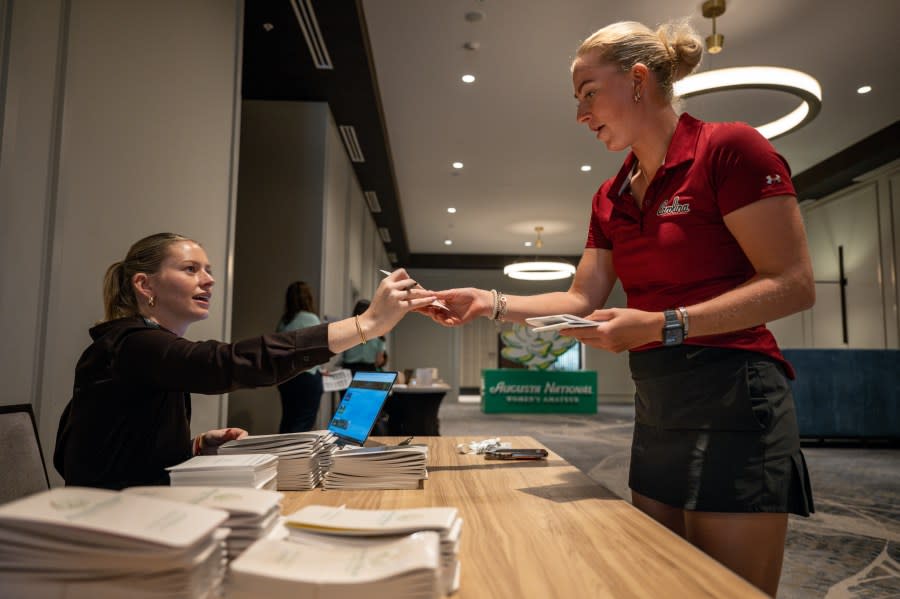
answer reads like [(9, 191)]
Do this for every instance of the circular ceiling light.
[(805, 87), (585, 168), (864, 89), (468, 78), (448, 242), (539, 271), (457, 165), (451, 210)]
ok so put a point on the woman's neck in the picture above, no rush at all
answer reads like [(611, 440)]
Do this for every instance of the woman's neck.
[(179, 330), (652, 147)]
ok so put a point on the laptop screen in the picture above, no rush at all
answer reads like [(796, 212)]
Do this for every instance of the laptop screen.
[(356, 414)]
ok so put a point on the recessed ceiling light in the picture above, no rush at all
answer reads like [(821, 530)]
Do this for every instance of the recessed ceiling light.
[(457, 165), (528, 244), (451, 210), (585, 168), (268, 27), (448, 242), (468, 78), (864, 89)]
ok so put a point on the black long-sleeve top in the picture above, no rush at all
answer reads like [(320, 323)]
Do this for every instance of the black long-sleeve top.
[(129, 416)]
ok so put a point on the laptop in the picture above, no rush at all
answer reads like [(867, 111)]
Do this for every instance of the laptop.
[(359, 408)]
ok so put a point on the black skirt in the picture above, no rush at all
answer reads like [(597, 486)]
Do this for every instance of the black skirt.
[(716, 431)]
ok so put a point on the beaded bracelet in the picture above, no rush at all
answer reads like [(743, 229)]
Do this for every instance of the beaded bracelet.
[(501, 310)]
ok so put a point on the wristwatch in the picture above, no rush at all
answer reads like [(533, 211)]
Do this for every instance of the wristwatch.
[(673, 330)]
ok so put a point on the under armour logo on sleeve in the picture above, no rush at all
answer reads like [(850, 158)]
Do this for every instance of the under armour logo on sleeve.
[(770, 179)]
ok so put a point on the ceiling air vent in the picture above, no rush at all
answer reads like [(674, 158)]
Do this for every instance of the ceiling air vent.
[(348, 134), (310, 27), (385, 234), (372, 201)]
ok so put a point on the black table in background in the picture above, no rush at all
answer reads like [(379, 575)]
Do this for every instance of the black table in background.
[(414, 411)]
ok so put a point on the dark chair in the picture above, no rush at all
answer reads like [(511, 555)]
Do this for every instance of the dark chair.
[(22, 468)]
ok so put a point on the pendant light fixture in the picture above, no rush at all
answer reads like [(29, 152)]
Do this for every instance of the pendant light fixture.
[(790, 81), (539, 270)]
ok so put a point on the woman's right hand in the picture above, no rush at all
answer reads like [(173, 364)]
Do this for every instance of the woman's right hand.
[(465, 304), (396, 295)]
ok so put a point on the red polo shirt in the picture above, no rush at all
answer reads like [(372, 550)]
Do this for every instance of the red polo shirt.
[(677, 251)]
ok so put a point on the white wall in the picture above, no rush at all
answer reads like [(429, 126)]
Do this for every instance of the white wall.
[(863, 219), (301, 216), (278, 231), (119, 122)]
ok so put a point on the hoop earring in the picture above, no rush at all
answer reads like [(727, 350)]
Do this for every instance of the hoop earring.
[(152, 301)]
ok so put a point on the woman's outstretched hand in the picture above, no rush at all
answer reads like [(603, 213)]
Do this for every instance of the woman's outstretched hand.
[(464, 305), (396, 295)]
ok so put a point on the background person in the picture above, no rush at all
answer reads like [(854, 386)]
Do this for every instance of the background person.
[(300, 395), (701, 225), (369, 356), (129, 416)]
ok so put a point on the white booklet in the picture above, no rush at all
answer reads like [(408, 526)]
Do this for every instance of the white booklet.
[(338, 563), (235, 500), (346, 521), (559, 321), (84, 516)]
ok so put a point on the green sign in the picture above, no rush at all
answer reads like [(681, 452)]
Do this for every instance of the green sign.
[(520, 390)]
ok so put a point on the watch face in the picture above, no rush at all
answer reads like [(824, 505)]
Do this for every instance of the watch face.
[(673, 331), (673, 336)]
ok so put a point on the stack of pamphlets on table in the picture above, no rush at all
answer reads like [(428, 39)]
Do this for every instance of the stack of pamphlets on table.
[(252, 513), (387, 467), (319, 525), (300, 455), (393, 568), (258, 471), (82, 543)]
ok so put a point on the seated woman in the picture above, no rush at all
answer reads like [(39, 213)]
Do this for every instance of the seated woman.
[(129, 416)]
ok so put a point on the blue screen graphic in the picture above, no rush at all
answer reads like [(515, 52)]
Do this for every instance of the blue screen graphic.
[(355, 416)]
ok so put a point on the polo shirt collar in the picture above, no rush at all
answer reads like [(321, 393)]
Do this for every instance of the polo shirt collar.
[(682, 148)]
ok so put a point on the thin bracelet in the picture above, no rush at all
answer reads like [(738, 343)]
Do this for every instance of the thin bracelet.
[(359, 330), (684, 320), (495, 299)]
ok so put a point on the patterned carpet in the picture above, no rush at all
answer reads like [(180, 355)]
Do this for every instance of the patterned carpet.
[(849, 549)]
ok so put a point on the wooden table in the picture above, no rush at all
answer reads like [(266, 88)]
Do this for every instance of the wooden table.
[(543, 529)]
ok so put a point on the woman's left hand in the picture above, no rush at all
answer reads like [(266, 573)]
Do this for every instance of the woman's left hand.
[(212, 439), (619, 329)]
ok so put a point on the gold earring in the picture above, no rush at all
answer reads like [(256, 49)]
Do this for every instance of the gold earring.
[(637, 96), (152, 301)]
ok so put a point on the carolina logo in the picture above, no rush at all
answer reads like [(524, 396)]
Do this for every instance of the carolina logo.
[(770, 179), (673, 207)]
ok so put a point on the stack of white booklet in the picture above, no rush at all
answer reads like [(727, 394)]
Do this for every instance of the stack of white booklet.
[(301, 456), (257, 471), (388, 467), (252, 513), (317, 525), (393, 568), (90, 544)]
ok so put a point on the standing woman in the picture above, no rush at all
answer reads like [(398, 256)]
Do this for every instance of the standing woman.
[(129, 416), (367, 356), (701, 224), (300, 396)]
